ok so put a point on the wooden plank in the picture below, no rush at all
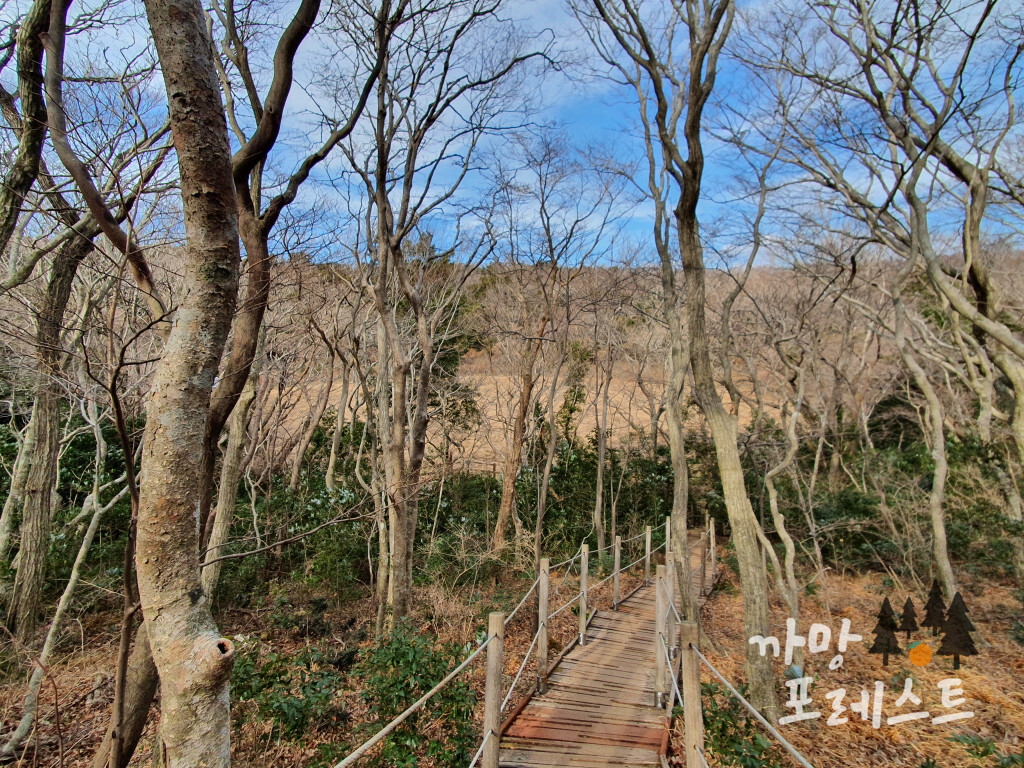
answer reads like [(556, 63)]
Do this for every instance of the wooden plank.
[(598, 710)]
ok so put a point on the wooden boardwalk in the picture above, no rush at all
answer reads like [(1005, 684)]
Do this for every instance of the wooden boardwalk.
[(599, 709)]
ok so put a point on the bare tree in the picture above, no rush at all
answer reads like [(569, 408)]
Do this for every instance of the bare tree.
[(437, 97), (556, 219), (193, 660), (848, 82), (638, 44)]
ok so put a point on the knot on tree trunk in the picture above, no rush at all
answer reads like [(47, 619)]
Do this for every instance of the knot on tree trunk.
[(218, 657)]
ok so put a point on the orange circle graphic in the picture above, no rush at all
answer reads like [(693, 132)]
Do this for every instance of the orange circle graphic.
[(920, 655)]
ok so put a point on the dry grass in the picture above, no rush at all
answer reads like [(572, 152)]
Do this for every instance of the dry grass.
[(992, 681)]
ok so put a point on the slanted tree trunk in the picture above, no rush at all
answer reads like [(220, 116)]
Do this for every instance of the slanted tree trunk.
[(23, 171), (513, 462), (724, 431), (339, 427), (193, 660), (935, 430), (42, 444), (231, 471), (140, 686), (514, 457), (549, 461), (15, 496), (603, 377), (315, 417)]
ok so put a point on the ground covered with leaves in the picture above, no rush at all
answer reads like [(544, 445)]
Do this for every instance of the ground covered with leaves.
[(310, 683), (991, 682)]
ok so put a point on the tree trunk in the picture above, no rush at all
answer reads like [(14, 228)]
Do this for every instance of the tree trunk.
[(230, 476), (513, 461), (935, 431), (549, 461), (1014, 511), (22, 172), (313, 422), (339, 427), (676, 370), (140, 685), (601, 422), (724, 431), (15, 496), (42, 444), (193, 660)]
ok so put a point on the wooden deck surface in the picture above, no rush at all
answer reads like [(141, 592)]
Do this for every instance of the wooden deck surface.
[(599, 707)]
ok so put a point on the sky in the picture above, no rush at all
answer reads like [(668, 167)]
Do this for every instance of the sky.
[(588, 110)]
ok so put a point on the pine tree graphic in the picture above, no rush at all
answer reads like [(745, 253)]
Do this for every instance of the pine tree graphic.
[(934, 609), (908, 623), (956, 641), (885, 633)]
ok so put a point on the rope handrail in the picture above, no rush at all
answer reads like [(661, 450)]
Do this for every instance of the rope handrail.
[(366, 746), (700, 539), (379, 736), (669, 601), (561, 583), (668, 659), (753, 710), (634, 538), (579, 551), (602, 581), (555, 613), (515, 680), (480, 751), (635, 562), (523, 601)]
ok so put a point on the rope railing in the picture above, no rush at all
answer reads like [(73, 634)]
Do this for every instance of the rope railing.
[(416, 705), (690, 659), (494, 702), (668, 661), (572, 559), (480, 751), (753, 710), (522, 667), (523, 601), (573, 600), (639, 535)]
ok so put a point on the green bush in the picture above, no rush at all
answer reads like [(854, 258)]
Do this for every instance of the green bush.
[(730, 735), (976, 746), (398, 671), (296, 693)]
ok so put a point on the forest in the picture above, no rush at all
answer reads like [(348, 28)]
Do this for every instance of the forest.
[(331, 331)]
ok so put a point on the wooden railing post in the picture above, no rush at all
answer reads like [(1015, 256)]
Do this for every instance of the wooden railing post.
[(615, 573), (543, 585), (693, 718), (703, 560), (584, 571), (492, 689), (672, 588), (668, 536), (714, 560), (647, 555), (660, 612)]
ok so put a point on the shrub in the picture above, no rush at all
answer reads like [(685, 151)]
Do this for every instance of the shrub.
[(398, 671), (296, 692), (730, 735)]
